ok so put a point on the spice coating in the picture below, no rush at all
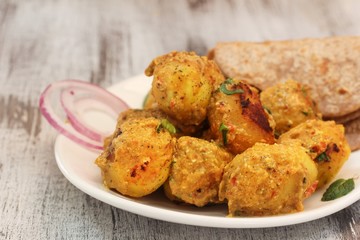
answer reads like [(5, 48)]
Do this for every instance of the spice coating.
[(267, 180), (325, 143), (137, 161)]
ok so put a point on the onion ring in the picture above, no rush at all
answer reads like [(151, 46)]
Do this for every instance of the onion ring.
[(73, 98)]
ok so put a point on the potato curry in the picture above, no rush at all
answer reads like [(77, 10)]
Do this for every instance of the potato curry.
[(210, 140)]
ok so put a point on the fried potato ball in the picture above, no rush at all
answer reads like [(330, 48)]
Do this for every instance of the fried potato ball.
[(137, 161), (132, 114), (237, 118), (325, 143), (196, 171), (267, 180), (182, 85), (290, 104)]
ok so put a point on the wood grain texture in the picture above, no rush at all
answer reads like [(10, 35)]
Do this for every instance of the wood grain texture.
[(105, 42)]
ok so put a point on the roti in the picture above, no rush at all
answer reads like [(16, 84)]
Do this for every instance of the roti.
[(352, 133), (329, 66)]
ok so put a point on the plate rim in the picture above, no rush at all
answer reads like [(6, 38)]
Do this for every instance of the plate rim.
[(121, 202)]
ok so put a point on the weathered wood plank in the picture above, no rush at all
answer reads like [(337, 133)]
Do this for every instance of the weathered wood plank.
[(105, 42)]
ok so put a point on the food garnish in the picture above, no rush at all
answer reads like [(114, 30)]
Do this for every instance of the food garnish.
[(165, 124), (224, 130), (339, 188), (322, 157), (223, 88), (64, 104)]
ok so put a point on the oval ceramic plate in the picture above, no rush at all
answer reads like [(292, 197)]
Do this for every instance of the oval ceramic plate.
[(77, 165)]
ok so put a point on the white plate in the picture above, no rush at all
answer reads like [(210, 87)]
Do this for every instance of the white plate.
[(77, 165)]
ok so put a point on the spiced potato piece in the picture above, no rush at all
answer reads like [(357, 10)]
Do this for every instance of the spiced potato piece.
[(182, 85), (290, 104), (137, 161), (181, 129), (325, 143), (132, 114), (237, 118), (268, 180), (196, 171)]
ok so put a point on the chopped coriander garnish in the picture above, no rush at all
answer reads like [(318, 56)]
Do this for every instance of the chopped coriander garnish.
[(226, 91), (277, 134), (267, 109), (224, 130), (229, 81), (322, 157), (305, 113), (165, 124), (339, 188)]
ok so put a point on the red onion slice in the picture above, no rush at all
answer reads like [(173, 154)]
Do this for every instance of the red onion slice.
[(66, 103)]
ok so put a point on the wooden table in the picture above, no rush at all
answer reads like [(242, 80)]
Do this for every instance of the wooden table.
[(105, 42)]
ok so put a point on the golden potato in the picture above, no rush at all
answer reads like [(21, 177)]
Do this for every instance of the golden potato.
[(137, 161), (290, 104), (268, 180), (181, 129), (196, 171), (169, 194), (237, 118), (325, 143), (182, 85), (132, 114)]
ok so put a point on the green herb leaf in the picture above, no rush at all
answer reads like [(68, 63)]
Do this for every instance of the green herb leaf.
[(322, 157), (226, 91), (229, 81), (224, 130), (339, 188), (277, 134), (267, 109), (305, 113), (165, 124)]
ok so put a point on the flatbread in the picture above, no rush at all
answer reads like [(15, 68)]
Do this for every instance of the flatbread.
[(329, 66), (352, 133), (347, 118)]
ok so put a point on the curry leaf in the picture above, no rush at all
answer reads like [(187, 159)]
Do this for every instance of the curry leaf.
[(224, 130), (165, 124), (226, 91), (339, 188)]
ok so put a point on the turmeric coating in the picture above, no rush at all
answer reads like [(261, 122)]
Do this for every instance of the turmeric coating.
[(196, 171), (267, 180), (182, 85), (241, 115), (137, 161), (325, 143), (290, 104)]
